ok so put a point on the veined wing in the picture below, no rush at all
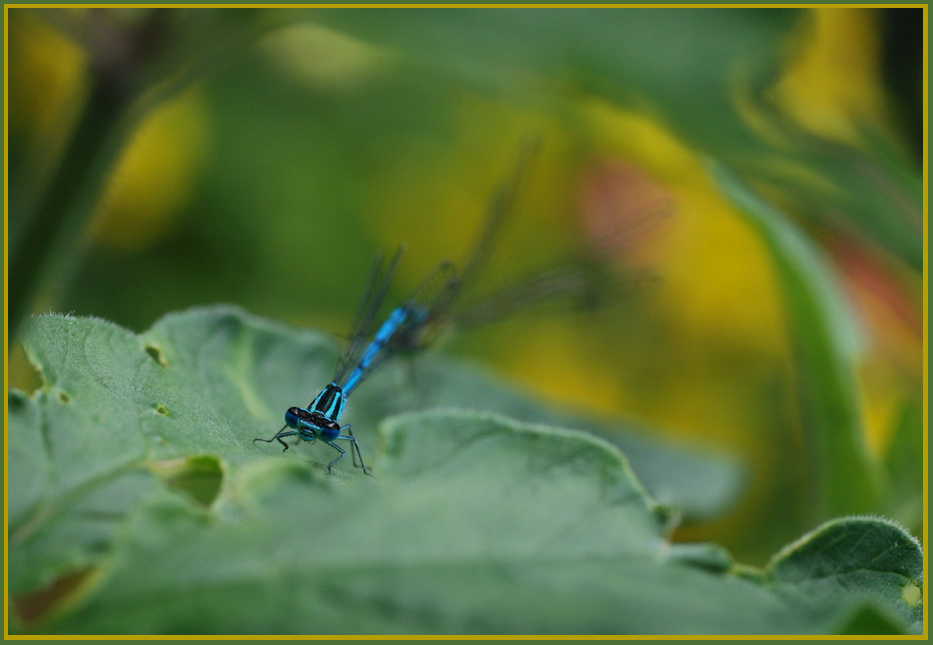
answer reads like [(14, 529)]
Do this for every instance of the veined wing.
[(364, 322), (419, 313), (401, 323), (431, 304), (584, 278), (500, 206), (579, 287)]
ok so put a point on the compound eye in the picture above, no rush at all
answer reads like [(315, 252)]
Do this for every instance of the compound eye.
[(292, 417)]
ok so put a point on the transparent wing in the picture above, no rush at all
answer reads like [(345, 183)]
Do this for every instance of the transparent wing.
[(435, 293), (366, 318), (576, 287), (500, 207), (402, 323), (423, 311), (435, 298), (584, 278)]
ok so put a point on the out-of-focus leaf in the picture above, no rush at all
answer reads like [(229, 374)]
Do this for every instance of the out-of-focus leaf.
[(133, 60), (825, 342), (715, 67), (612, 53), (699, 481)]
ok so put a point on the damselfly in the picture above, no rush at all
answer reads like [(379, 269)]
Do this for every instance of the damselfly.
[(321, 419), (415, 323), (363, 352)]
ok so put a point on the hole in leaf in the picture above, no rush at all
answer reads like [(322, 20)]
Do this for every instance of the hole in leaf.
[(198, 477), (911, 594), (32, 607), (156, 354), (24, 374), (63, 396), (160, 409), (15, 400)]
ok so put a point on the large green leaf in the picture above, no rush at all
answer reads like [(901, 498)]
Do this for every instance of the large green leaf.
[(699, 481), (137, 482), (207, 382)]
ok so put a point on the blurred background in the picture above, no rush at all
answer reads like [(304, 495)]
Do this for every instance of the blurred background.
[(162, 159)]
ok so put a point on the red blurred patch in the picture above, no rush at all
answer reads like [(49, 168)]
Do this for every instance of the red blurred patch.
[(32, 607), (882, 295), (622, 208)]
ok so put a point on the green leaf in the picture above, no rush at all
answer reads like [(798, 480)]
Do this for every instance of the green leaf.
[(871, 620), (156, 513), (475, 526), (826, 343), (711, 557), (117, 412), (699, 481), (858, 557), (28, 466)]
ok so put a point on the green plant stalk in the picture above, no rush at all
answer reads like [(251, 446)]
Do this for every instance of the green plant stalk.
[(50, 239), (49, 246), (131, 71), (841, 471)]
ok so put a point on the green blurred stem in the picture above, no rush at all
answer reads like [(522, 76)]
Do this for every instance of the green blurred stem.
[(844, 479), (47, 247)]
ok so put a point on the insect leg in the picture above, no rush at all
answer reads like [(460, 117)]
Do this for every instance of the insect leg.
[(355, 451), (278, 437), (338, 449)]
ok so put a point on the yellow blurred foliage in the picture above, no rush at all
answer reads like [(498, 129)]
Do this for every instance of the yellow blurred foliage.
[(552, 358), (719, 289), (45, 81), (833, 85), (156, 171), (439, 196), (882, 397), (717, 279), (154, 176), (317, 56)]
